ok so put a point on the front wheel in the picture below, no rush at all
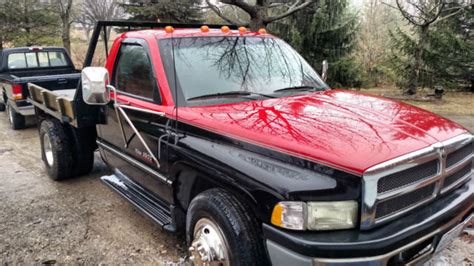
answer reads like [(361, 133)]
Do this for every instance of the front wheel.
[(17, 121), (221, 230)]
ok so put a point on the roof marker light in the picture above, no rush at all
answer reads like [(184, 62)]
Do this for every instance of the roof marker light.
[(204, 28), (169, 29), (225, 29), (242, 29), (262, 31)]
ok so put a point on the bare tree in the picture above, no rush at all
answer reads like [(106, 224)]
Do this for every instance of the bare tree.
[(64, 8), (94, 10), (262, 12), (423, 14), (373, 38)]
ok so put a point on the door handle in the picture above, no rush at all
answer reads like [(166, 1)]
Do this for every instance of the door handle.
[(62, 81)]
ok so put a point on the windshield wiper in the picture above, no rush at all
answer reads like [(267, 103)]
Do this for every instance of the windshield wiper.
[(300, 88), (229, 93)]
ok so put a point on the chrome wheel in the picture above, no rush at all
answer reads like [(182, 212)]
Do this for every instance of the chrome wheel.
[(10, 113), (48, 151), (209, 245)]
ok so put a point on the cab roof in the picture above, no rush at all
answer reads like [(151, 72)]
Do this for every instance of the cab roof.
[(190, 32)]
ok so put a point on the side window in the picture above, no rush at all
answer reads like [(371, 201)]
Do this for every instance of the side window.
[(133, 72)]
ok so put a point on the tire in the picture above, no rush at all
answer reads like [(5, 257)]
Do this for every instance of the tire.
[(2, 107), (56, 150), (229, 215), (17, 121)]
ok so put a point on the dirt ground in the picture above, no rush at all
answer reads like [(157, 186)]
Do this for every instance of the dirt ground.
[(75, 221), (81, 221)]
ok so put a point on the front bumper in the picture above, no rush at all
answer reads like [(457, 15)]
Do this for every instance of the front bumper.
[(408, 240)]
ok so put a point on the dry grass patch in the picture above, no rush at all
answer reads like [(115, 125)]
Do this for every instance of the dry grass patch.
[(453, 103)]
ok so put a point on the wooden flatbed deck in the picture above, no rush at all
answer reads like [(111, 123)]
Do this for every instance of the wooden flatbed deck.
[(57, 103)]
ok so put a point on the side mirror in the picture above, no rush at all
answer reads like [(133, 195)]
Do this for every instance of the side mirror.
[(95, 81), (324, 70)]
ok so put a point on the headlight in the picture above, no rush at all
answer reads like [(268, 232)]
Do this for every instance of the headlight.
[(329, 215)]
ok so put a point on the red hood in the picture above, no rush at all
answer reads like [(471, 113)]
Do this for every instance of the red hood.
[(339, 128)]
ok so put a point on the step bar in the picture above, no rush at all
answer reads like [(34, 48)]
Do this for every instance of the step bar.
[(142, 200)]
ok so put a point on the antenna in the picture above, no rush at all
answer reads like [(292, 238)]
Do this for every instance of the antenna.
[(176, 102)]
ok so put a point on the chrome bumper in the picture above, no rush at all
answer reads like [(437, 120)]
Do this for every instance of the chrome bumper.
[(282, 256)]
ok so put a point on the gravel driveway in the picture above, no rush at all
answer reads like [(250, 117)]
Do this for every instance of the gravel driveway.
[(82, 221)]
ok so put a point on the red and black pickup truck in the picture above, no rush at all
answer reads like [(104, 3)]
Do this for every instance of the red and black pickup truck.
[(232, 138), (49, 67)]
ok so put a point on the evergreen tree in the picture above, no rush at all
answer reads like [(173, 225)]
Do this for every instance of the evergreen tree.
[(437, 50), (325, 31), (184, 11), (26, 23)]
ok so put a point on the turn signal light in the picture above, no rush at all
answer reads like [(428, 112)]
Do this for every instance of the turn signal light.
[(169, 29), (204, 28), (242, 29), (262, 31), (225, 29)]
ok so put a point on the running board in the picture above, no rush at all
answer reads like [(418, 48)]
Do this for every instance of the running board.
[(141, 199)]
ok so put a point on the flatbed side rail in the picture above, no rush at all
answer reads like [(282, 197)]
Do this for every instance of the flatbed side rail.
[(53, 104)]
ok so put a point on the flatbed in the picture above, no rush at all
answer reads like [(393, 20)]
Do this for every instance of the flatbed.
[(59, 103)]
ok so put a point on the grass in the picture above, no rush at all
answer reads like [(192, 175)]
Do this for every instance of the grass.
[(453, 103)]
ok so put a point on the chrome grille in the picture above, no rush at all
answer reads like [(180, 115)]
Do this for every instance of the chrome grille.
[(408, 176), (458, 155), (405, 201), (397, 186), (456, 176)]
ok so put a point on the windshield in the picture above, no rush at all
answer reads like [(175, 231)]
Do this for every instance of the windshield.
[(216, 65)]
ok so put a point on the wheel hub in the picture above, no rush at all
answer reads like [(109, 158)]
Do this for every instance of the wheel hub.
[(209, 245), (48, 151)]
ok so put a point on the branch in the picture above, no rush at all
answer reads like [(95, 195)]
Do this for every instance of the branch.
[(448, 16), (297, 6), (241, 22), (219, 13), (406, 15), (241, 4)]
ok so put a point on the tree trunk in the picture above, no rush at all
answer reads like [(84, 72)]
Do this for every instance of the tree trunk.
[(1, 42), (257, 20), (65, 9), (418, 61), (66, 35)]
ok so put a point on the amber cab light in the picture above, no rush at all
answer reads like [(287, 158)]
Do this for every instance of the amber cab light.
[(262, 31), (225, 29), (242, 29), (204, 28), (169, 29)]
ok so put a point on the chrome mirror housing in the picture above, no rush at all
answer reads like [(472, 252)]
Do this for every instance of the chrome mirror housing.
[(95, 81)]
